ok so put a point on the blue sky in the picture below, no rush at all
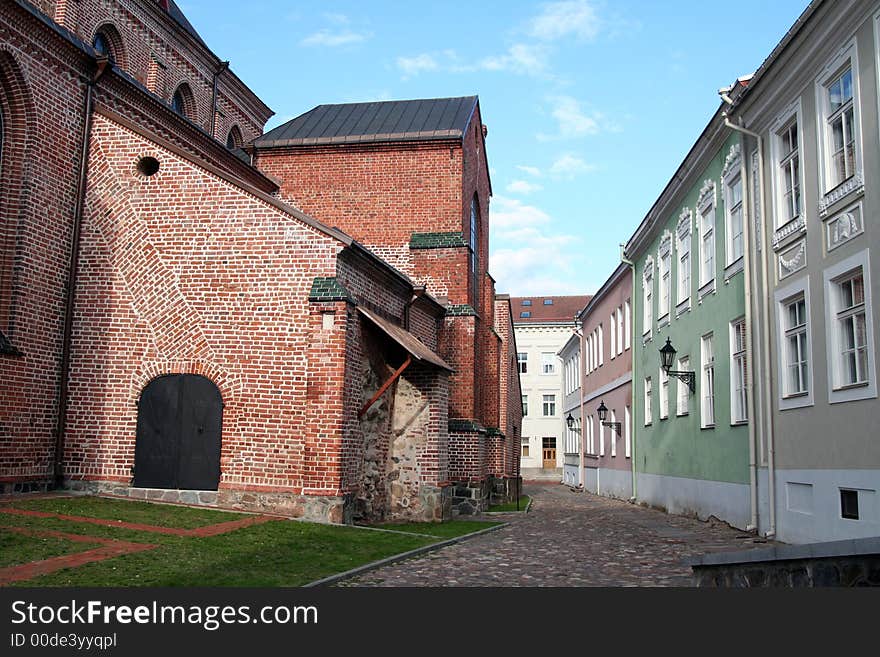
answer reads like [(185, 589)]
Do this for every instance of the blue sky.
[(590, 104)]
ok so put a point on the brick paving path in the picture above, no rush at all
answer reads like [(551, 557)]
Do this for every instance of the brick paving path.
[(569, 539)]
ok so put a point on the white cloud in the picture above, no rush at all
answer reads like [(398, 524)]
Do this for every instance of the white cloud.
[(510, 214), (577, 18), (542, 265), (520, 58), (532, 171), (573, 122), (568, 166), (415, 65), (334, 39), (523, 187)]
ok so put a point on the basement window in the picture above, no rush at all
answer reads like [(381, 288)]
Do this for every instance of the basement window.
[(849, 504)]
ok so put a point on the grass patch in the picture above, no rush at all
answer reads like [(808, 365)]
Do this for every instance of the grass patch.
[(145, 513), (444, 530), (17, 549), (510, 506), (282, 553)]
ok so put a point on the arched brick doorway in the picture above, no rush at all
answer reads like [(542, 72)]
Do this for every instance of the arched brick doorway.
[(178, 434)]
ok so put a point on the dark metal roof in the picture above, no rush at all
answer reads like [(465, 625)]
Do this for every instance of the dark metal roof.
[(418, 349), (175, 13), (398, 120)]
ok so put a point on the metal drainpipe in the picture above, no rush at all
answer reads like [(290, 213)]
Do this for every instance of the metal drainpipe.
[(223, 66), (632, 342), (101, 63), (766, 380), (581, 339)]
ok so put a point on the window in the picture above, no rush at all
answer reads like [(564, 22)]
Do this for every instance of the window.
[(849, 504), (648, 412), (664, 394), (648, 298), (663, 298), (852, 333), (525, 447), (102, 45), (612, 436), (548, 363), (848, 318), (707, 410), (627, 438), (684, 391), (839, 127), (627, 324), (620, 330), (707, 245), (612, 325), (591, 446), (182, 101), (734, 212), (789, 174), (108, 42), (794, 317), (527, 302), (522, 361), (525, 314), (474, 254), (234, 139), (525, 405), (601, 439), (739, 409), (548, 302), (549, 405), (600, 341)]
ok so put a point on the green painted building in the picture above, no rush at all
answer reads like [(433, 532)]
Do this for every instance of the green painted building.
[(689, 254)]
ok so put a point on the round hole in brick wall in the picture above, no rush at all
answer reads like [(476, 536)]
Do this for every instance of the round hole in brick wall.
[(148, 166)]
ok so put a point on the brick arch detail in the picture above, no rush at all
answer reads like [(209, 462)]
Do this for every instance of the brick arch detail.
[(19, 132), (117, 43), (227, 382)]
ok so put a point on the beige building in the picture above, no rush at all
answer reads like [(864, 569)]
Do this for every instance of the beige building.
[(542, 325)]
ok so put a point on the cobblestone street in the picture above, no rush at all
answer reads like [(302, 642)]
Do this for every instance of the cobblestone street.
[(569, 539)]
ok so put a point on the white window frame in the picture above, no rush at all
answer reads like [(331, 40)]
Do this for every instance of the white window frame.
[(545, 402), (782, 298), (682, 404), (590, 442), (707, 221), (627, 324), (522, 364), (648, 297), (735, 373), (664, 284), (524, 401), (729, 238), (831, 190), (647, 402), (612, 335), (627, 436), (601, 439), (791, 115), (601, 343), (663, 393), (707, 381), (831, 276), (611, 436), (683, 272), (545, 362)]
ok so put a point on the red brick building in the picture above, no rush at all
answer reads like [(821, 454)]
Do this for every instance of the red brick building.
[(176, 323)]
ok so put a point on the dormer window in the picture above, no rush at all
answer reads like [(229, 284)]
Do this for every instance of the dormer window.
[(527, 302), (548, 302), (525, 314)]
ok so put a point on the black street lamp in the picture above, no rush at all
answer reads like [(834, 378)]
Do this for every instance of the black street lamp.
[(667, 356), (569, 421), (602, 411)]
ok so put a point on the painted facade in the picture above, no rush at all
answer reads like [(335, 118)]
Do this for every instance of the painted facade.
[(818, 448), (606, 344), (542, 326)]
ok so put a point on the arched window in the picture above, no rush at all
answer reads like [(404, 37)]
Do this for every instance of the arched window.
[(234, 139), (473, 243), (107, 41), (182, 101)]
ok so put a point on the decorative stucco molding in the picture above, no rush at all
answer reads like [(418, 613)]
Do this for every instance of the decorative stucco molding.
[(732, 161), (707, 194), (796, 225), (844, 227), (792, 260), (852, 186)]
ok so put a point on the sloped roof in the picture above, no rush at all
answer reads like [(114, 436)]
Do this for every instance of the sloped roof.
[(397, 120), (415, 347), (175, 12), (562, 310)]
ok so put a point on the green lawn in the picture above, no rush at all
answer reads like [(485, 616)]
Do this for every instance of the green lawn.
[(510, 506), (145, 513), (277, 553), (16, 549), (443, 530)]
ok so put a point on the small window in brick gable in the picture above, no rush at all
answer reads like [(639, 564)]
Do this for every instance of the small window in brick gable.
[(183, 102), (234, 139), (108, 42)]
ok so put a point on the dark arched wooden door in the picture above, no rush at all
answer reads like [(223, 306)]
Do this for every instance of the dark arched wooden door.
[(178, 434)]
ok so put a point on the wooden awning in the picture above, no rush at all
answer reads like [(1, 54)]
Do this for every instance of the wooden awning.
[(413, 346)]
